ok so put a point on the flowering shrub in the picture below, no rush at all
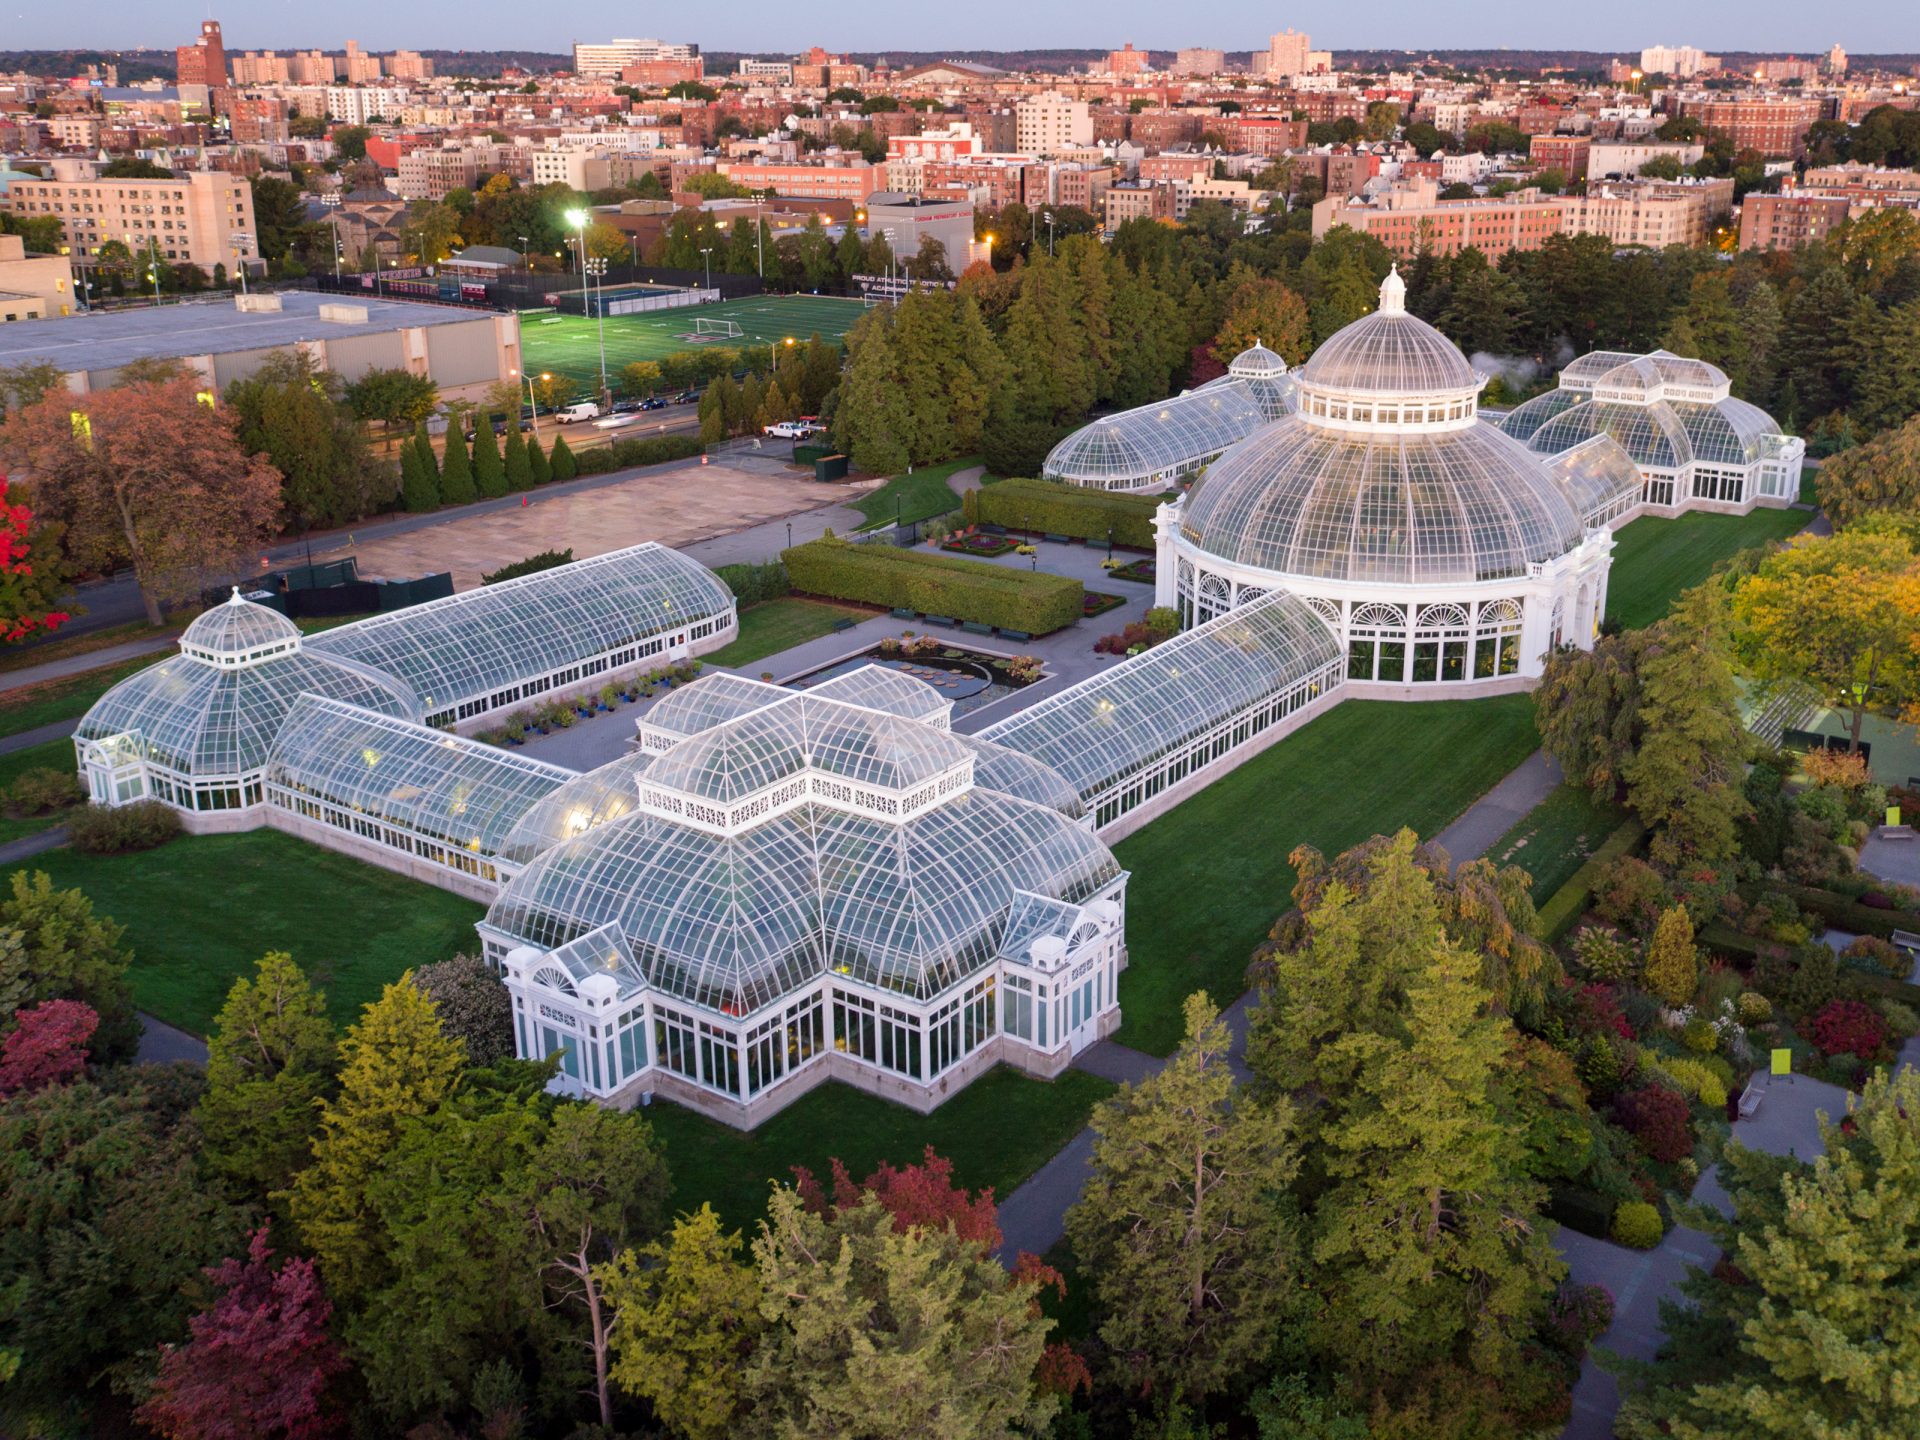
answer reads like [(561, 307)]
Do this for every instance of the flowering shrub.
[(1579, 1315), (1604, 954), (1753, 1008), (24, 595), (1637, 1223), (1658, 1118), (1596, 1010), (1846, 1027), (1870, 952)]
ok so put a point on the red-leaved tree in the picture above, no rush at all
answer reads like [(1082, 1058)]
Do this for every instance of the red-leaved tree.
[(257, 1363), (48, 1046), (30, 580)]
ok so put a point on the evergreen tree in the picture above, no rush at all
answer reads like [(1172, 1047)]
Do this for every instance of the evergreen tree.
[(1180, 1226), (1813, 343), (1686, 774), (516, 464), (1673, 965), (1881, 476), (429, 462), (395, 1065), (1809, 1329), (537, 465), (270, 1059), (1090, 302), (489, 473), (1710, 325), (53, 947), (874, 413), (561, 461), (456, 471), (1761, 319), (1887, 369), (419, 493), (1051, 378), (687, 1310)]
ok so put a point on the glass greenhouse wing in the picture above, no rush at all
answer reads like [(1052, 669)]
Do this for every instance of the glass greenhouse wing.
[(597, 797), (1651, 434), (996, 767), (701, 704), (1585, 371), (1726, 432), (881, 687), (1524, 419), (1389, 354), (479, 641), (205, 721), (1598, 478), (427, 782), (733, 923), (1449, 507), (1158, 441), (1123, 720)]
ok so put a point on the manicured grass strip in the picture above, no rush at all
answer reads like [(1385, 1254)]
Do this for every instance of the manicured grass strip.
[(776, 625), (200, 911), (63, 646), (1558, 911), (1656, 559), (1211, 876), (997, 1131), (919, 496), (67, 698), (1557, 837)]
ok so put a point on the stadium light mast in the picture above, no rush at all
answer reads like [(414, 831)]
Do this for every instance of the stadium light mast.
[(590, 273), (706, 259)]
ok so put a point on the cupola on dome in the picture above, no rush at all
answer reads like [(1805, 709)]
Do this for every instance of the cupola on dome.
[(1389, 353)]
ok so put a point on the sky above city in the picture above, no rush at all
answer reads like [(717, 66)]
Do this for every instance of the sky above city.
[(778, 25)]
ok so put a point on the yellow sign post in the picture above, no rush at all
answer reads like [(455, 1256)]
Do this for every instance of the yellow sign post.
[(1893, 817), (1783, 1062)]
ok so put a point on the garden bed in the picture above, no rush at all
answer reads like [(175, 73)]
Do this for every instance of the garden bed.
[(984, 546), (971, 679), (1140, 572), (1098, 602)]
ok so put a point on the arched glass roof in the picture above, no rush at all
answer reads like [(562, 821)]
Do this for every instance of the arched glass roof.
[(1587, 369), (735, 922), (1256, 360), (881, 687), (1389, 353), (1120, 721), (1450, 507), (597, 797), (1652, 434), (427, 782), (1276, 395), (1153, 443), (1528, 416), (210, 721), (478, 641), (1598, 478), (1726, 432), (237, 631)]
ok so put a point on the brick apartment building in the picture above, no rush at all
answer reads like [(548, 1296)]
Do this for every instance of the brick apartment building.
[(190, 219), (1775, 125), (1787, 222)]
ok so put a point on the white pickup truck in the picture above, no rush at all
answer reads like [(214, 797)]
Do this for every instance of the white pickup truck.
[(791, 429), (573, 414)]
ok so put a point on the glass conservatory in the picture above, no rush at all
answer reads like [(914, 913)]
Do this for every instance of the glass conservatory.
[(1127, 734), (1440, 549), (1694, 446), (484, 650), (408, 790), (1157, 445), (810, 888), (195, 729)]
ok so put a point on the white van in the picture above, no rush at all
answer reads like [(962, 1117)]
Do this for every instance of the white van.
[(584, 410)]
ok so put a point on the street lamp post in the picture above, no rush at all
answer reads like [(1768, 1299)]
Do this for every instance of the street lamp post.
[(526, 261), (590, 271), (706, 259), (241, 239), (1047, 215)]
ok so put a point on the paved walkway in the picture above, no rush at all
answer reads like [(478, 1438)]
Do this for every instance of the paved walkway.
[(88, 660), (28, 846), (1501, 808), (163, 1044), (39, 735)]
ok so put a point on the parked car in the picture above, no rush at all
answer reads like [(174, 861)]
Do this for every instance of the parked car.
[(499, 426), (653, 402), (786, 430), (575, 413), (628, 407), (687, 397)]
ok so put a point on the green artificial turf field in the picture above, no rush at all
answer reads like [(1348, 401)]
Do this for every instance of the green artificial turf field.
[(570, 344)]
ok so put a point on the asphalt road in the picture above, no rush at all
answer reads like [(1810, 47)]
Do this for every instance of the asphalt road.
[(116, 600)]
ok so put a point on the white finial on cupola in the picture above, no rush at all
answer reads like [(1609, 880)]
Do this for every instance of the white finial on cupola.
[(1393, 293)]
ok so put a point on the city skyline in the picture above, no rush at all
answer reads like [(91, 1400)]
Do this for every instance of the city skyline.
[(1721, 24)]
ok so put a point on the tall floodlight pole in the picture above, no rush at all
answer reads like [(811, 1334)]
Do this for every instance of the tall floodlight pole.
[(706, 259), (241, 239)]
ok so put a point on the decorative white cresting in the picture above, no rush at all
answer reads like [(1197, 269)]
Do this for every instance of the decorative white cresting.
[(1393, 293)]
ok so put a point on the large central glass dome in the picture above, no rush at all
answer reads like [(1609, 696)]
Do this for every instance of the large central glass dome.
[(1386, 474)]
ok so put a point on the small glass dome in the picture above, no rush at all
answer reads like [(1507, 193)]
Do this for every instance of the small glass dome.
[(239, 632), (1452, 507), (1390, 353), (1256, 362)]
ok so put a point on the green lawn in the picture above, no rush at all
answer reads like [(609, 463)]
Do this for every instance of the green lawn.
[(53, 755), (1211, 876), (1656, 559), (1556, 837), (570, 344), (200, 911), (776, 625), (67, 698), (919, 496), (997, 1131)]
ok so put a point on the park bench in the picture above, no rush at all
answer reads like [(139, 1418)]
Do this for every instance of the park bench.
[(974, 627), (847, 622), (1907, 941), (1750, 1101), (1019, 635), (947, 620), (1896, 832), (1060, 539), (900, 614)]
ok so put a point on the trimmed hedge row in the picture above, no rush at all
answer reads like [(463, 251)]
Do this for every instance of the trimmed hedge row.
[(1571, 900), (1054, 508), (752, 584), (623, 454), (930, 584), (1843, 912)]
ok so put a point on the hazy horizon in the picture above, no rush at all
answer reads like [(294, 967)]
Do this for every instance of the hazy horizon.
[(756, 25)]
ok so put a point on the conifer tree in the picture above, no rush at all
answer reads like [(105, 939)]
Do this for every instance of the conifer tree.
[(515, 462), (270, 1059), (456, 471), (874, 414), (537, 464), (1180, 1228), (395, 1064), (1673, 965), (418, 491), (562, 463), (489, 473), (429, 462)]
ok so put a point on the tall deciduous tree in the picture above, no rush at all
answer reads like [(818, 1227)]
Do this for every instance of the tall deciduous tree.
[(259, 1359), (1840, 613), (686, 1311), (270, 1059), (1881, 475), (1181, 1226), (31, 576), (396, 1065), (145, 475), (1262, 310), (1811, 1329), (291, 412)]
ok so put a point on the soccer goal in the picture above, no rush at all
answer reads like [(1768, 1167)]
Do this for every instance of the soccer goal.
[(727, 328)]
